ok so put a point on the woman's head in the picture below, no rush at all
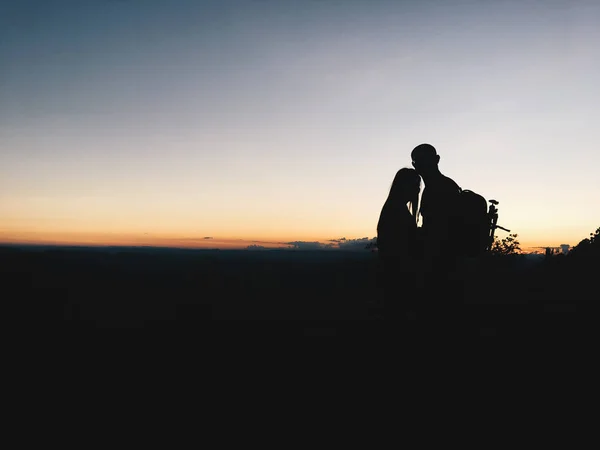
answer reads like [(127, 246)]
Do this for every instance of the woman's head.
[(406, 187)]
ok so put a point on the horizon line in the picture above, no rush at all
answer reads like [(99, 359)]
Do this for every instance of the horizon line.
[(248, 248)]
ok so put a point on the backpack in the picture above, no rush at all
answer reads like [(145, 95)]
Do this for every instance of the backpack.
[(473, 224)]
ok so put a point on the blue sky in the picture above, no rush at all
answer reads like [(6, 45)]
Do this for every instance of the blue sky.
[(287, 120)]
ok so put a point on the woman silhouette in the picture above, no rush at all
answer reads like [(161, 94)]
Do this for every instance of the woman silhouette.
[(398, 244)]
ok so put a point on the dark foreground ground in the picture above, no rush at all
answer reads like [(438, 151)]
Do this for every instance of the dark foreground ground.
[(293, 292)]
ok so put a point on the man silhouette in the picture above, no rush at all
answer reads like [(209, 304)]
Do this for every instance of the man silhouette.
[(438, 203)]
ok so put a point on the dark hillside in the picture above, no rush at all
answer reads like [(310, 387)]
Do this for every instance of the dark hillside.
[(131, 287)]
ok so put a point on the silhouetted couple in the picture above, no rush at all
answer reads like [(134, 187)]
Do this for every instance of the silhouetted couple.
[(417, 262)]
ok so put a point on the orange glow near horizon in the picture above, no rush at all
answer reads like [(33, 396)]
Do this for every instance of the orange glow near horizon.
[(164, 240), (185, 241)]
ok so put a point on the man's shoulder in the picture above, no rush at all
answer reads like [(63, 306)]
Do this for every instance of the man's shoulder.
[(444, 184), (450, 184)]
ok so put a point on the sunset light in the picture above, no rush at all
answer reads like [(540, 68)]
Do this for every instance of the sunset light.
[(163, 123)]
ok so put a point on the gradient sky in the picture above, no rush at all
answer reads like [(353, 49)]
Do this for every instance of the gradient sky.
[(147, 121)]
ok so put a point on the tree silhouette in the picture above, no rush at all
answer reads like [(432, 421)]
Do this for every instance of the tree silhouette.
[(507, 246), (588, 246), (595, 237)]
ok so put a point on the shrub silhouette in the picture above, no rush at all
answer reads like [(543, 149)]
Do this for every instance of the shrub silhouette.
[(588, 247), (507, 246)]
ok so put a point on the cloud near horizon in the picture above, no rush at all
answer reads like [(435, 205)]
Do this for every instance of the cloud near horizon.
[(304, 245), (333, 244)]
